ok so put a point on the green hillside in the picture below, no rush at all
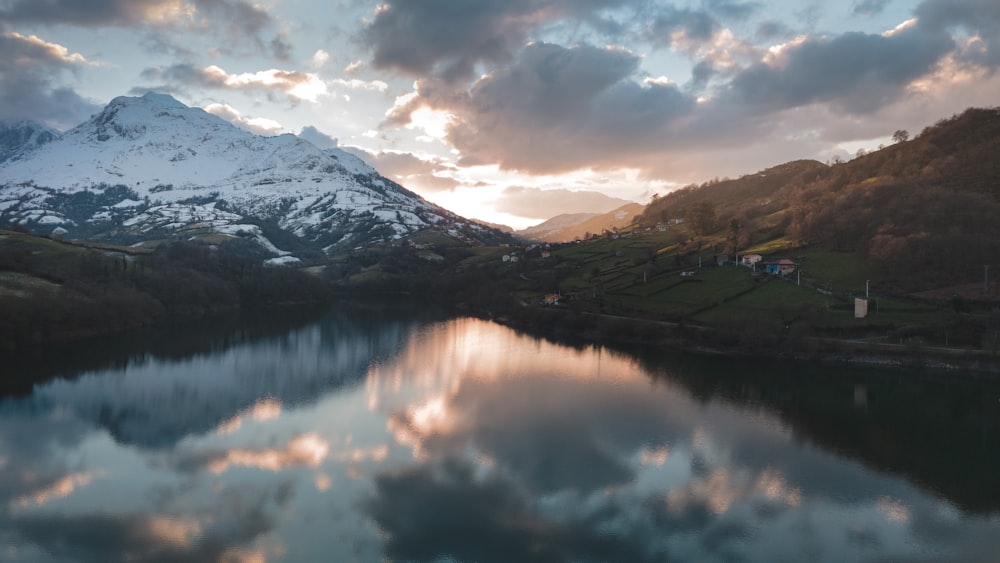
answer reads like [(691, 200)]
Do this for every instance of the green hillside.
[(912, 226)]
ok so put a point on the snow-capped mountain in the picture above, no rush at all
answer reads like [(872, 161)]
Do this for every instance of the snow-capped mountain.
[(19, 137), (150, 167)]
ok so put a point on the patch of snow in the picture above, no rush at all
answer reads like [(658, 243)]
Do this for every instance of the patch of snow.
[(281, 261), (127, 203), (269, 246)]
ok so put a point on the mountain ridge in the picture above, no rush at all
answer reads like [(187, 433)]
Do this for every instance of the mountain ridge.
[(575, 226), (148, 168), (20, 136)]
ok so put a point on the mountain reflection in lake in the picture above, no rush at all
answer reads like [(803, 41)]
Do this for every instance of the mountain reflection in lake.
[(365, 438)]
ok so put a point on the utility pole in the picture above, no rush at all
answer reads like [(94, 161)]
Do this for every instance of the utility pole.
[(986, 280), (866, 289)]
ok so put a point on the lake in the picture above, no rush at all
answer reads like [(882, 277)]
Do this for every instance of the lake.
[(372, 434)]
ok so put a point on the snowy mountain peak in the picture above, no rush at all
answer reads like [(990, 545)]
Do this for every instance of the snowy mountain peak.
[(150, 168), (131, 118)]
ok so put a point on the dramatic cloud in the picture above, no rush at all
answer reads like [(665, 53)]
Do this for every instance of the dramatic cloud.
[(258, 125), (96, 13), (857, 72), (295, 84), (980, 17), (488, 520), (239, 20), (235, 519), (30, 71), (538, 203), (448, 38), (557, 109)]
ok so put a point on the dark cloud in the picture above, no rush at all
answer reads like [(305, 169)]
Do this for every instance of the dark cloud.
[(30, 76), (318, 138), (238, 20), (243, 19), (235, 520), (488, 520), (771, 29), (558, 109), (553, 109), (869, 7), (448, 38), (856, 72), (538, 203), (980, 17), (88, 13)]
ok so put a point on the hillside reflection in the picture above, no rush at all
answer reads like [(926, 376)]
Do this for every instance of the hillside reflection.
[(391, 435)]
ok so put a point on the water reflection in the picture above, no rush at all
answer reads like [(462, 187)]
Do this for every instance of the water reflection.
[(365, 437)]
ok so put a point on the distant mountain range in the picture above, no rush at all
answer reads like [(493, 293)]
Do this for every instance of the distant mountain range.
[(576, 226), (151, 168)]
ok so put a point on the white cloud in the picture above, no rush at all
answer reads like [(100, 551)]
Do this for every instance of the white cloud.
[(300, 85), (320, 58), (258, 125)]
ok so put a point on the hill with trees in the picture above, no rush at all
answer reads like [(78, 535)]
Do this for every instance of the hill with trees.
[(923, 211), (54, 290)]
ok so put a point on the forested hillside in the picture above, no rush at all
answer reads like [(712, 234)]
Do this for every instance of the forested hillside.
[(52, 290), (923, 211)]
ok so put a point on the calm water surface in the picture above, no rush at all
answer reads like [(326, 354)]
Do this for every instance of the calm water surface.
[(368, 436)]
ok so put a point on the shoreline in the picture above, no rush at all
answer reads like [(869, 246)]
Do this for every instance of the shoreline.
[(596, 329)]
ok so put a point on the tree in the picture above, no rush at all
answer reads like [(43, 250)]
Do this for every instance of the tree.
[(701, 217), (901, 136)]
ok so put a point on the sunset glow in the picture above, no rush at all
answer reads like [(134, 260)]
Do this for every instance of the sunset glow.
[(618, 99)]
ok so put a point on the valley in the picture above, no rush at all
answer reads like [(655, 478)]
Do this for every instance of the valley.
[(775, 262)]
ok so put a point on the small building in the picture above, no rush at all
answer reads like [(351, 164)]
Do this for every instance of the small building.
[(781, 267), (750, 259), (860, 308)]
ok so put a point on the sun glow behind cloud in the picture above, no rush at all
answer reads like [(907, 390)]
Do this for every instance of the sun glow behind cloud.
[(683, 93), (299, 85)]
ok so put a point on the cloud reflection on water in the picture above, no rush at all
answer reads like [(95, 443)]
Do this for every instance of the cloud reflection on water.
[(466, 440)]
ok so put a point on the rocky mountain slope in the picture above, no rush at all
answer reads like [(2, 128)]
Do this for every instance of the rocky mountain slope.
[(19, 137), (151, 168)]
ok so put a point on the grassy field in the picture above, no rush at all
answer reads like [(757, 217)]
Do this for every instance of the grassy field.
[(641, 275)]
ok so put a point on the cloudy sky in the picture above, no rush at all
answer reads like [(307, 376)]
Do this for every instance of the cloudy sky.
[(516, 110)]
